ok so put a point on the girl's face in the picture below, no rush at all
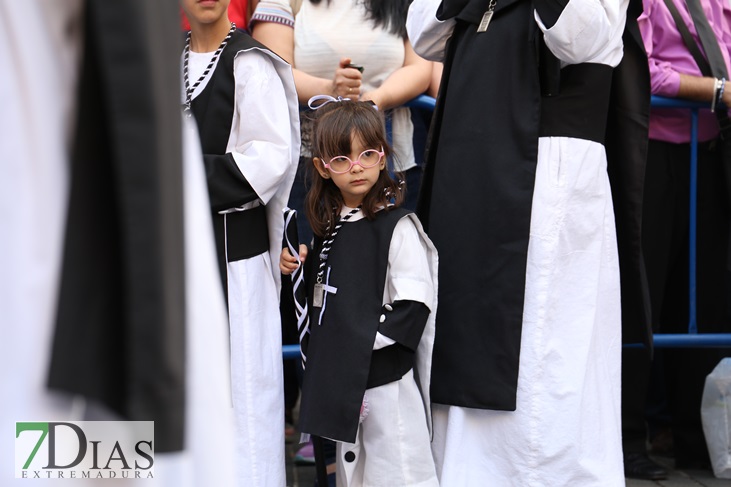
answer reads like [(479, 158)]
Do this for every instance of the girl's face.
[(354, 184)]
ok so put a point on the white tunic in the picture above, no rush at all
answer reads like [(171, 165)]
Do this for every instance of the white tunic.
[(566, 430), (264, 142)]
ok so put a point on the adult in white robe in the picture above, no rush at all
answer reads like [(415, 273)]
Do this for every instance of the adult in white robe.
[(556, 419)]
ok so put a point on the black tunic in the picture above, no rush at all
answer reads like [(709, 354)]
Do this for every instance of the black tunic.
[(339, 351)]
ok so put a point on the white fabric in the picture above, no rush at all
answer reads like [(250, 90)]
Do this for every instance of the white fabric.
[(588, 31), (333, 29), (209, 416), (256, 372), (566, 429), (39, 58), (264, 142), (428, 35), (567, 426), (393, 442)]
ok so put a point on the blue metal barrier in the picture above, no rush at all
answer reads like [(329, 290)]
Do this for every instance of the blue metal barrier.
[(692, 339), (422, 101), (290, 351)]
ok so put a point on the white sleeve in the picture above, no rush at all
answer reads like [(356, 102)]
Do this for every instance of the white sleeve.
[(409, 276), (588, 31), (261, 134), (427, 34)]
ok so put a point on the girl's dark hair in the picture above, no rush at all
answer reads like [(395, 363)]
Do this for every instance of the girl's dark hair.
[(389, 14), (334, 125)]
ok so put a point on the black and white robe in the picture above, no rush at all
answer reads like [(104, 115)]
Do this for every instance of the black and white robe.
[(364, 343), (526, 376), (247, 113)]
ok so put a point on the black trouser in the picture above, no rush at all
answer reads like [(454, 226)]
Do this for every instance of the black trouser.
[(665, 247)]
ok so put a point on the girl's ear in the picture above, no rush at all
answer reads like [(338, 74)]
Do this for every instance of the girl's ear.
[(320, 168)]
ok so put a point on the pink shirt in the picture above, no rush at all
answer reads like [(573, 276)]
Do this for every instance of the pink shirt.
[(669, 57)]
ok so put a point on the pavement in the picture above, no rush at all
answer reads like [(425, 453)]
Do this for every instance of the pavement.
[(680, 478)]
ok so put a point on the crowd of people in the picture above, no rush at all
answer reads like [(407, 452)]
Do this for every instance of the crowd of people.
[(463, 284)]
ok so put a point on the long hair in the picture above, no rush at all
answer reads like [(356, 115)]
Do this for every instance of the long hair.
[(334, 125), (388, 14)]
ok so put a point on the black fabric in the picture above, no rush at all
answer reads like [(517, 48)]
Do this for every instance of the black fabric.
[(470, 11), (665, 236), (389, 364), (339, 350), (626, 146), (493, 138), (246, 233), (120, 329), (627, 140), (571, 113), (665, 242), (714, 66), (636, 364), (708, 39), (405, 322), (227, 187), (213, 109), (690, 43), (550, 10), (239, 235)]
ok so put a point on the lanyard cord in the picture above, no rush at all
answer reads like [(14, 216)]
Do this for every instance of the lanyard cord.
[(327, 244), (190, 89)]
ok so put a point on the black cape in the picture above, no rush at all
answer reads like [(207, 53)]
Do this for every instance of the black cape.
[(119, 336)]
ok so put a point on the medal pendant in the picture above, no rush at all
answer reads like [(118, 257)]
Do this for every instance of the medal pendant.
[(486, 18), (318, 294)]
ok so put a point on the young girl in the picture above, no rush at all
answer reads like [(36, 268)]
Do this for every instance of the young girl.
[(372, 299)]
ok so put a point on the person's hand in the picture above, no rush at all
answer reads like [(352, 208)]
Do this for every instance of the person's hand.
[(726, 98), (347, 81), (288, 263)]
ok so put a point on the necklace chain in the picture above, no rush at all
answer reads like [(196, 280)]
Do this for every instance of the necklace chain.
[(190, 89)]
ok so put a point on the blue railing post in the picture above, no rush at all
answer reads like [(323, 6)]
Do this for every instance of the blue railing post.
[(693, 223), (692, 339)]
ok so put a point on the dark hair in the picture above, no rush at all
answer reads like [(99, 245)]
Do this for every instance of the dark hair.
[(332, 131), (389, 14)]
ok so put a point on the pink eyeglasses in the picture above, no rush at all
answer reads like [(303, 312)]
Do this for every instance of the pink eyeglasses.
[(367, 159)]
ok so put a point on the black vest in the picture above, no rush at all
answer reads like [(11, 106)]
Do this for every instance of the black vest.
[(340, 350)]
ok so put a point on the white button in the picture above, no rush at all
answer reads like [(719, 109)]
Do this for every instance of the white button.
[(383, 318), (388, 307)]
